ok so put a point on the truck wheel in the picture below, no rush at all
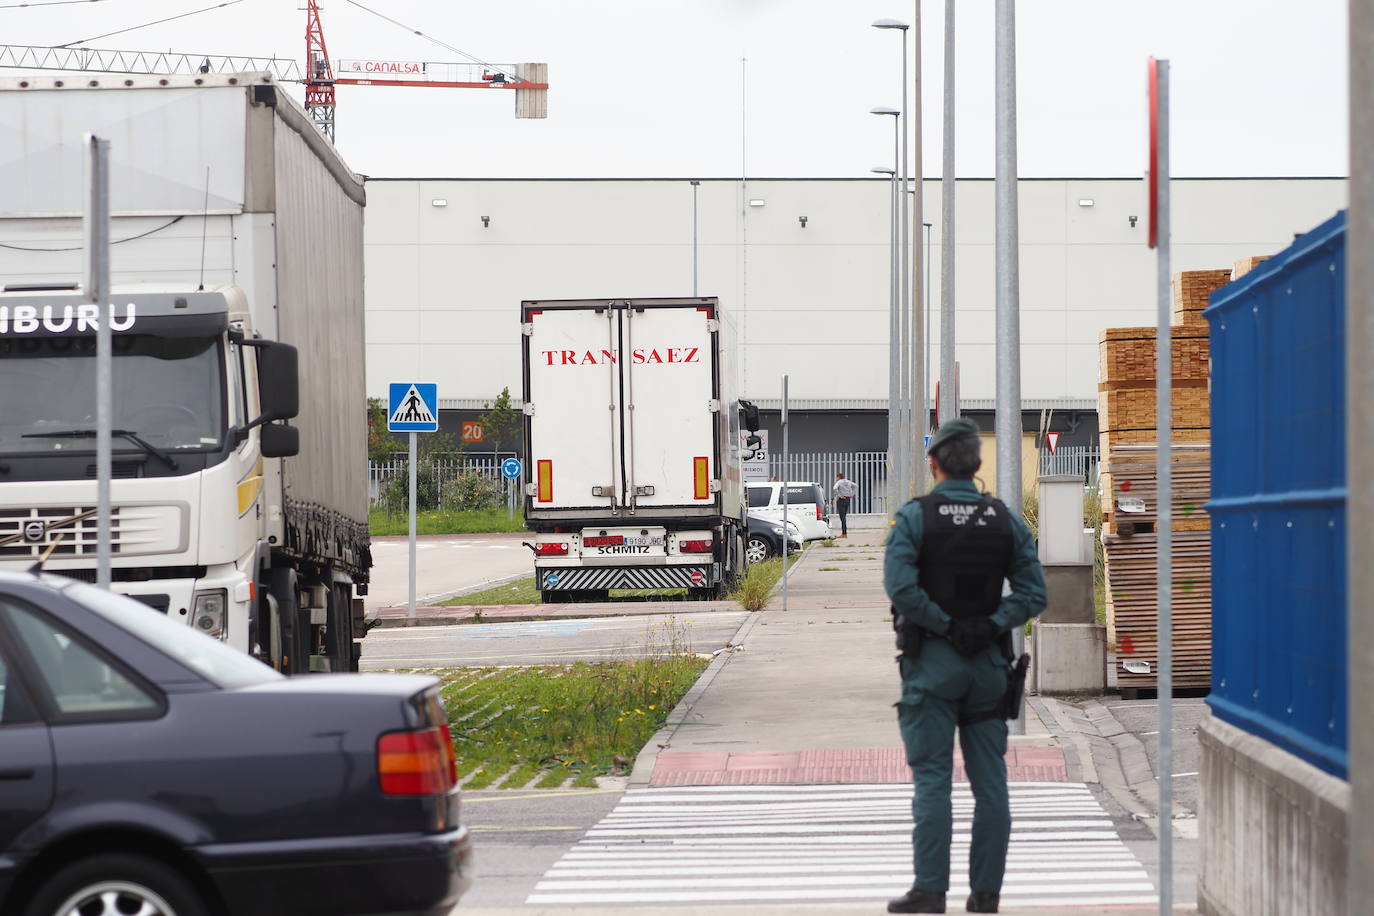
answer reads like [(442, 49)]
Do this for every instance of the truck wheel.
[(293, 639), (111, 884), (339, 635), (759, 549)]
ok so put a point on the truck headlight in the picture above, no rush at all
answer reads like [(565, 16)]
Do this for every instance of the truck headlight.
[(208, 615)]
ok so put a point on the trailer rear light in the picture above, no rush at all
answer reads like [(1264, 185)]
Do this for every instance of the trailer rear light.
[(694, 546), (416, 763), (701, 478), (603, 541), (819, 516), (545, 481), (551, 550)]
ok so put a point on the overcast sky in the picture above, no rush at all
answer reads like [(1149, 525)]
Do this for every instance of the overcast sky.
[(782, 88)]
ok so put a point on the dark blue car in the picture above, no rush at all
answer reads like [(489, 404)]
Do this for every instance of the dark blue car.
[(149, 769)]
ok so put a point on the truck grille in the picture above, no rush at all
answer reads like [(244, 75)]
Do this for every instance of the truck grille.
[(75, 539), (578, 579)]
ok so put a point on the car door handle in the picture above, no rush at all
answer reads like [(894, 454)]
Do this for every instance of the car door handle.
[(16, 773)]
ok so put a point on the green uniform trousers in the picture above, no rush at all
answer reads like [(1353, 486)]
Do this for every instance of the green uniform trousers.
[(937, 689)]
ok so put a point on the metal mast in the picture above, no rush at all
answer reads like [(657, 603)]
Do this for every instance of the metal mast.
[(319, 73)]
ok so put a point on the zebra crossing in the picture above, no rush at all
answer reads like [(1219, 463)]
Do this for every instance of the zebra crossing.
[(841, 843)]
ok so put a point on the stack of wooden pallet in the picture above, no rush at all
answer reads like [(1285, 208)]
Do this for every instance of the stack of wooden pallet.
[(1129, 424)]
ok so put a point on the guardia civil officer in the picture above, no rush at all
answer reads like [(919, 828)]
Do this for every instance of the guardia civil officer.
[(947, 556)]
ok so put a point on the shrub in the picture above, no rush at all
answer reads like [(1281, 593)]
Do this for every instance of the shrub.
[(472, 490)]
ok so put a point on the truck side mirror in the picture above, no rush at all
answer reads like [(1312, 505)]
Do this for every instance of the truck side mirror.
[(277, 440), (750, 414), (278, 381)]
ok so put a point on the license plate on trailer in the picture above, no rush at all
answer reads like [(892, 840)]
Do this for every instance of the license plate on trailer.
[(643, 542)]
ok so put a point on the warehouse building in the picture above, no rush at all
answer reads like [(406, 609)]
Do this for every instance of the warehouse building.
[(803, 266)]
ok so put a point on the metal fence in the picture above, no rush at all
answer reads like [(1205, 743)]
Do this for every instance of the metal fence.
[(1278, 506), (868, 470), (1082, 460), (447, 467)]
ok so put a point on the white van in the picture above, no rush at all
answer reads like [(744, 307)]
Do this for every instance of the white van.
[(805, 506)]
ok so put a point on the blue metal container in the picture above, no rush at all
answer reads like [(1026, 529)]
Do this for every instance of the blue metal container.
[(1278, 499)]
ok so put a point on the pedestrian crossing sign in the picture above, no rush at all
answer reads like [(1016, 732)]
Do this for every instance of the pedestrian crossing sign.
[(413, 407)]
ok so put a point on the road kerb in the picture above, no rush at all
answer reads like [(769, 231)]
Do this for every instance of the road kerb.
[(648, 755)]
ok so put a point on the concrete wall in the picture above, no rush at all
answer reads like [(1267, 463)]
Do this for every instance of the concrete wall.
[(812, 301), (1273, 830)]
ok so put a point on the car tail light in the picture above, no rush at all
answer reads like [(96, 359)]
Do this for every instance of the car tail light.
[(417, 763), (694, 546), (551, 549), (614, 540), (819, 516)]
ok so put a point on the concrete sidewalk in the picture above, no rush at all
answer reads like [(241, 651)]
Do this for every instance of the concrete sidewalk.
[(807, 699)]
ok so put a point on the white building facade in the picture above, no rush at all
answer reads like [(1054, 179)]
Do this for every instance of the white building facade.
[(802, 264)]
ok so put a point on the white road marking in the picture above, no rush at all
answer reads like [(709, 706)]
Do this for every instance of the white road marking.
[(722, 844)]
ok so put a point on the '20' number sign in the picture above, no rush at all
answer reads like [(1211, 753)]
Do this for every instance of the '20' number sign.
[(473, 431)]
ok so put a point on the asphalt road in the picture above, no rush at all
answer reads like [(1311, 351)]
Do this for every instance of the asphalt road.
[(546, 642), (518, 835), (1141, 718), (445, 565)]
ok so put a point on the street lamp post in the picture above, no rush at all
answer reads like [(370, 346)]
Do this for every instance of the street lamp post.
[(904, 415), (896, 446)]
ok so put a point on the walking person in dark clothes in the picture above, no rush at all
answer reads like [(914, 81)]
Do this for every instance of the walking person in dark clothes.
[(947, 557), (844, 491)]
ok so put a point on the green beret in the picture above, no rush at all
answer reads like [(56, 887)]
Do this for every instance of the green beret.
[(954, 429)]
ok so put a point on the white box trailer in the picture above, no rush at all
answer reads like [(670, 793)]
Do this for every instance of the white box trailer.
[(238, 245), (632, 424)]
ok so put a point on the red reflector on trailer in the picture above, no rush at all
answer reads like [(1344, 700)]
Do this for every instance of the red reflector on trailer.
[(545, 478), (551, 550), (694, 546), (603, 541), (701, 478)]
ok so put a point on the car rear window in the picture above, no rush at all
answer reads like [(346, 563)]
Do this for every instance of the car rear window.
[(759, 496), (805, 493), (205, 655)]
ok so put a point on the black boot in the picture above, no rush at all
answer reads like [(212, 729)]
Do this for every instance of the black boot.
[(981, 902), (918, 901)]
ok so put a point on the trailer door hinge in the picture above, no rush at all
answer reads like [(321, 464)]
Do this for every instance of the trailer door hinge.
[(529, 408), (715, 486), (527, 329), (531, 489), (712, 325), (713, 405)]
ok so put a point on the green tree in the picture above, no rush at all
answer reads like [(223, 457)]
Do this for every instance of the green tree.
[(502, 422), (381, 443)]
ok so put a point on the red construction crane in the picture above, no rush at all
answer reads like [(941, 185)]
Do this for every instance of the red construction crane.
[(530, 81)]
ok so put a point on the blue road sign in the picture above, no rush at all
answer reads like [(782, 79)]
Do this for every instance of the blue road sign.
[(927, 443), (511, 468), (413, 407)]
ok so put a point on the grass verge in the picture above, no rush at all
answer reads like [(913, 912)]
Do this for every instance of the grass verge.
[(525, 592), (474, 521), (549, 724), (753, 592)]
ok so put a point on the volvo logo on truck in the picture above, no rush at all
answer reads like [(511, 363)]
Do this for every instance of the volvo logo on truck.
[(34, 531)]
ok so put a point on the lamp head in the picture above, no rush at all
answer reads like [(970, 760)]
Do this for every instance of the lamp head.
[(890, 24), (883, 110)]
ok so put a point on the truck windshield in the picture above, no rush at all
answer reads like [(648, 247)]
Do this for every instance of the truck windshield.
[(168, 391)]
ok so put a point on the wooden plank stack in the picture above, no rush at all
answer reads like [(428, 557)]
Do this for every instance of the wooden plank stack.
[(1191, 289), (1128, 421), (1245, 265)]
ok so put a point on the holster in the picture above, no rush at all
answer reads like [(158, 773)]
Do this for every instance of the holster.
[(1010, 707)]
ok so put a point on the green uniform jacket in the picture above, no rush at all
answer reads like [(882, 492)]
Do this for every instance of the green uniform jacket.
[(902, 578)]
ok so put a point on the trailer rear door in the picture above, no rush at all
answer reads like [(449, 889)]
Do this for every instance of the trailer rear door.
[(574, 387), (670, 446)]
